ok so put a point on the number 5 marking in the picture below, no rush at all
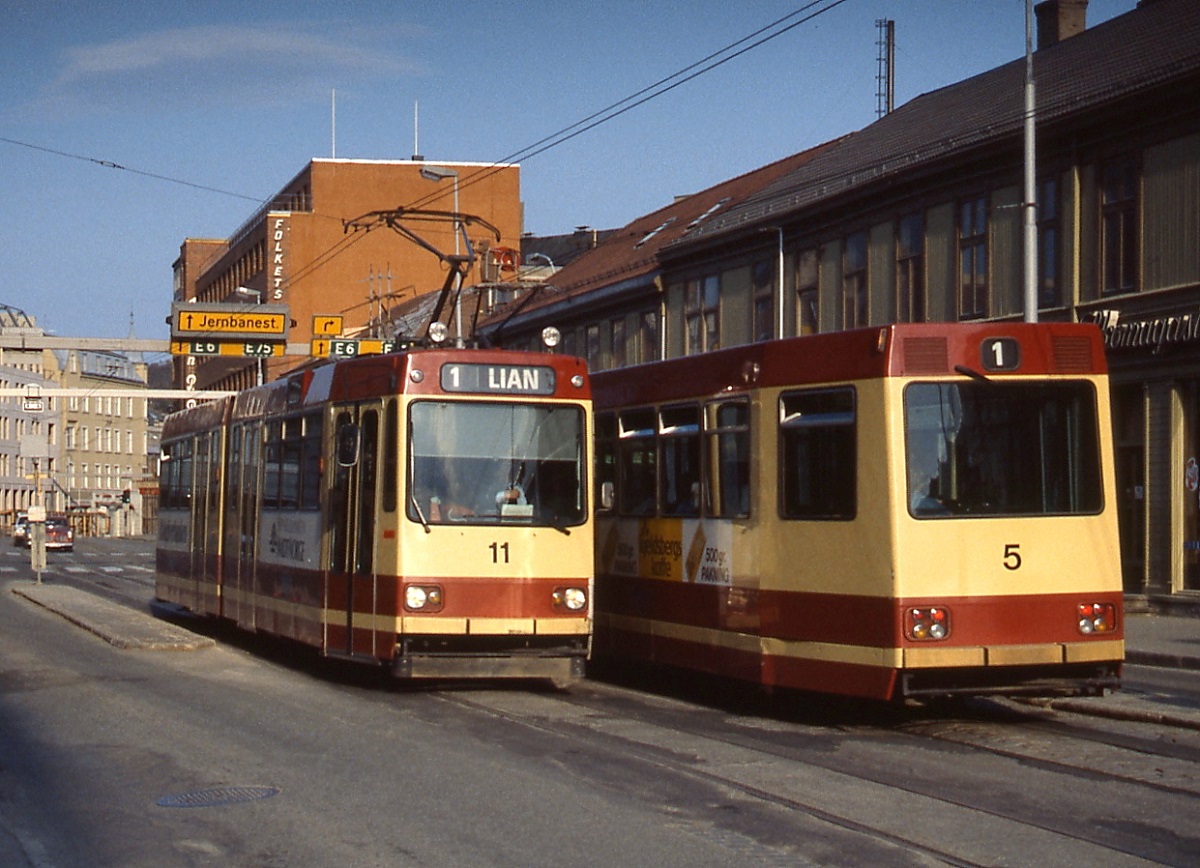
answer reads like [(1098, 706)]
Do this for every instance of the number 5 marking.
[(1012, 557)]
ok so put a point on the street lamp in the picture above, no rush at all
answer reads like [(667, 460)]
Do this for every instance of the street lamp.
[(442, 173), (257, 297)]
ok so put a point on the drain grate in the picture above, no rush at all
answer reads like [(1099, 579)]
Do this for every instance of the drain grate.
[(216, 796)]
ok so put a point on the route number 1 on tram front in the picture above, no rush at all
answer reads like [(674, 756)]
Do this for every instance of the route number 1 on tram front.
[(1001, 354)]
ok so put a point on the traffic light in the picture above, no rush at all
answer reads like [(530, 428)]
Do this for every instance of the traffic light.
[(125, 496)]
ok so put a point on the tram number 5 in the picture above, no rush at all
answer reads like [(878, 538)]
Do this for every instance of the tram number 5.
[(499, 553), (1012, 557)]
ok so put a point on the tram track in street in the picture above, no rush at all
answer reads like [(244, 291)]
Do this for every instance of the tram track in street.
[(651, 729)]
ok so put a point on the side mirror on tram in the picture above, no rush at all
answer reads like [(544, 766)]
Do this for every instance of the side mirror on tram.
[(348, 439)]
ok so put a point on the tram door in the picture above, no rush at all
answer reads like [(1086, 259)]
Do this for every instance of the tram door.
[(352, 520), (238, 548), (206, 520)]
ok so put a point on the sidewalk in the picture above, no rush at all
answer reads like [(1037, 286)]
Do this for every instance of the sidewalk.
[(1170, 641), (119, 625), (1163, 640)]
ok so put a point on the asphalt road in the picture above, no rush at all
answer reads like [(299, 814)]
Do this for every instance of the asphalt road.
[(226, 750)]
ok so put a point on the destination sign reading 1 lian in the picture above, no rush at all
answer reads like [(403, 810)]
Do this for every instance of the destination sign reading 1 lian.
[(498, 379), (229, 321)]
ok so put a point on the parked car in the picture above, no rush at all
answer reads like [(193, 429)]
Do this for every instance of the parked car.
[(20, 533)]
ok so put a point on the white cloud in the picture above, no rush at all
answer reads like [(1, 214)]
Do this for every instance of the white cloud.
[(209, 65)]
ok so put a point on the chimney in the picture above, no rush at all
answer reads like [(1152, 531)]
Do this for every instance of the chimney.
[(1058, 20)]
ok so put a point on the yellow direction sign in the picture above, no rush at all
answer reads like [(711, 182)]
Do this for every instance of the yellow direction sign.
[(255, 349), (217, 321), (338, 348), (327, 326)]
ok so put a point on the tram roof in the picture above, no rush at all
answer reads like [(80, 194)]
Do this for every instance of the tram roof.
[(898, 350)]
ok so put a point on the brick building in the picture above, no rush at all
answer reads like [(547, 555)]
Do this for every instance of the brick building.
[(299, 251)]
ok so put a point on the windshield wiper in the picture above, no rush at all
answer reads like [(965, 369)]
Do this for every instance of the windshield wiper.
[(972, 373)]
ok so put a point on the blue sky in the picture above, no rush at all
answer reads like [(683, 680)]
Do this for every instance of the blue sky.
[(212, 107)]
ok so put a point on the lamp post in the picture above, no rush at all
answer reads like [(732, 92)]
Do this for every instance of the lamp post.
[(437, 174), (257, 296)]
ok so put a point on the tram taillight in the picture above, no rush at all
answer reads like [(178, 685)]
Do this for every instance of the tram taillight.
[(1097, 618), (927, 623)]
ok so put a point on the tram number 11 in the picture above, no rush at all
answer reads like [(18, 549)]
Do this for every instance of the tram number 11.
[(499, 553)]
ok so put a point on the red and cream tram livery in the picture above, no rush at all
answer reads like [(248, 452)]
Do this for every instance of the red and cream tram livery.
[(906, 511), (427, 510)]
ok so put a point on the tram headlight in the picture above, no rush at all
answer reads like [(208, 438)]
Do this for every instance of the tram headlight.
[(573, 599), (438, 332), (927, 623), (1097, 618), (423, 598)]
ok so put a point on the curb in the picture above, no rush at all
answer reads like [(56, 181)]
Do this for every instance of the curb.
[(118, 625)]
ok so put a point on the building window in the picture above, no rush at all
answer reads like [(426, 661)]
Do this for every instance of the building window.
[(807, 274), (701, 298), (762, 277), (617, 348), (972, 258), (910, 268), (647, 337), (854, 281), (592, 339), (1049, 293), (1118, 225)]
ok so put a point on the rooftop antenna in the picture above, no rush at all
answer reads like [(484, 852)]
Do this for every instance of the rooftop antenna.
[(333, 124), (885, 90), (416, 127)]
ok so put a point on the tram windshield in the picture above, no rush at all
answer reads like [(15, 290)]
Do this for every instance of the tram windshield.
[(1000, 449), (489, 463)]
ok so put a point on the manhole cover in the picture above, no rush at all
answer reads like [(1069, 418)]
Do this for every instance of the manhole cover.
[(215, 796)]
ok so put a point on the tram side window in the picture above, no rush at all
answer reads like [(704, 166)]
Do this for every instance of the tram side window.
[(679, 430), (310, 463), (273, 458), (170, 484), (637, 471), (292, 468), (233, 471), (391, 457), (606, 460), (727, 429), (177, 475), (818, 434)]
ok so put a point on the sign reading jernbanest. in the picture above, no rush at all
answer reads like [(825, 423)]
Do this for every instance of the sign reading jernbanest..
[(190, 321)]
